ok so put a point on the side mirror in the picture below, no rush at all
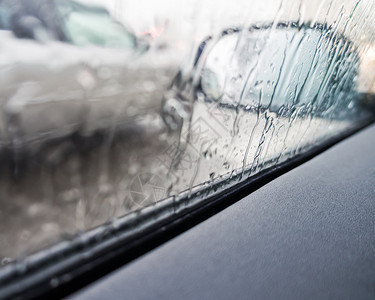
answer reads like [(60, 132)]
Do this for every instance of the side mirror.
[(274, 67)]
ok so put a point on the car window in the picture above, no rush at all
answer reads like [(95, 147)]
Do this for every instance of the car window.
[(98, 137), (4, 18), (86, 25)]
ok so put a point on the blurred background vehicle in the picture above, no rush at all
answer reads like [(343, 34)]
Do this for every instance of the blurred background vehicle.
[(97, 83)]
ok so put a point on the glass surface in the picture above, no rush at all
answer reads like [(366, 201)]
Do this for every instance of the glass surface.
[(111, 106)]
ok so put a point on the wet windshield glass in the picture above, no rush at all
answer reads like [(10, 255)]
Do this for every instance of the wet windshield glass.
[(193, 103)]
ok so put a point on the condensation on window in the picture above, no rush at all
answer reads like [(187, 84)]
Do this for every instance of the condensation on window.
[(108, 107)]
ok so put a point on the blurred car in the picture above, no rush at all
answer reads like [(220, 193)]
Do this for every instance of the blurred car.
[(66, 21), (67, 68)]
